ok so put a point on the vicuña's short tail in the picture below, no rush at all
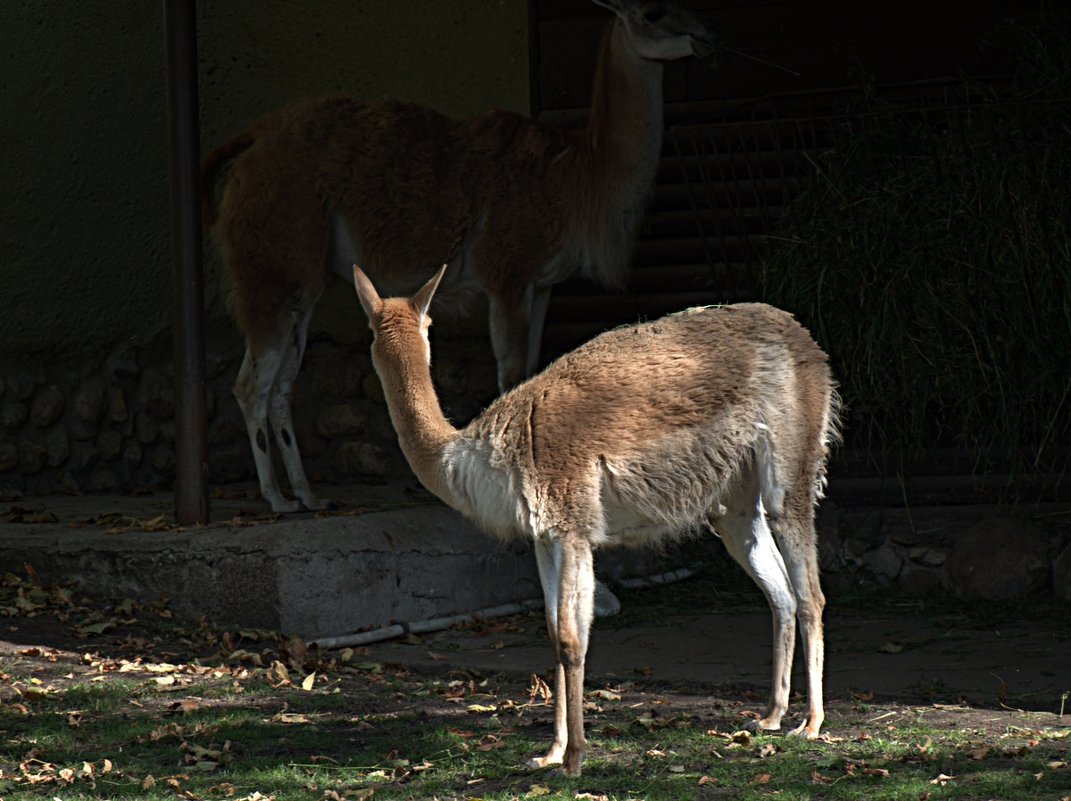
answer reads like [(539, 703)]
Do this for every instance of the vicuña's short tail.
[(210, 169)]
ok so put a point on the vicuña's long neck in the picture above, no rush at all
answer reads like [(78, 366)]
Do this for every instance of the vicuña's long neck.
[(423, 430)]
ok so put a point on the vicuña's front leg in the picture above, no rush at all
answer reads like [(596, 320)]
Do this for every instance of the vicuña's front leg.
[(556, 753), (549, 560), (575, 611)]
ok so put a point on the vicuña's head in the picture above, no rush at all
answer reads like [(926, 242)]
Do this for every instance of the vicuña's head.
[(397, 323), (661, 30)]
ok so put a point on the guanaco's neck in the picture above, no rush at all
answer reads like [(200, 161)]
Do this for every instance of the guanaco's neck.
[(611, 171), (423, 430), (625, 127)]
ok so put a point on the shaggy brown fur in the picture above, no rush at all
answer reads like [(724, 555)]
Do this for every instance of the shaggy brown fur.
[(717, 417), (513, 205)]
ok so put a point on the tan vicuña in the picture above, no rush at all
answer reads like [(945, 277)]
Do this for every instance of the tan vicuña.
[(715, 419)]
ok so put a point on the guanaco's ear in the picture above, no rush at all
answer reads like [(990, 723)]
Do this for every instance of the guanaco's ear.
[(422, 299), (366, 293), (617, 6)]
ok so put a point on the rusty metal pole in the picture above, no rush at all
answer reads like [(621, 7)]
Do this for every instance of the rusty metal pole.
[(187, 278)]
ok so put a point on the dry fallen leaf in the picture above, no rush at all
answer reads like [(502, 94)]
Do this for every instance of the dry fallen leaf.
[(183, 707), (942, 779), (605, 695), (278, 675), (818, 778), (308, 682)]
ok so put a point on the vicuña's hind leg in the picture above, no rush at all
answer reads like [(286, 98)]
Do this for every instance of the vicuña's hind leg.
[(253, 388), (798, 458), (749, 541), (281, 416), (796, 536)]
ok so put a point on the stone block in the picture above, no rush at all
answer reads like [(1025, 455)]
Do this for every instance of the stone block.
[(108, 444), (58, 444), (884, 562), (132, 454), (145, 428), (156, 395), (1003, 557), (47, 406), (927, 556), (361, 459), (9, 456), (117, 408), (32, 457), (312, 577), (341, 420), (372, 388), (20, 387), (13, 415), (90, 400), (918, 580)]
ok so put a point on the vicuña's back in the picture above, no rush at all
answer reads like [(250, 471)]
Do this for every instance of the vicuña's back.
[(654, 420), (713, 418)]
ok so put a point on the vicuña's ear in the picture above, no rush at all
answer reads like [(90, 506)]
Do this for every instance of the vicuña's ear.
[(422, 299), (366, 293)]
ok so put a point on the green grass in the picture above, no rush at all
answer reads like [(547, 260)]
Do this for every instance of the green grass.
[(119, 723), (396, 735)]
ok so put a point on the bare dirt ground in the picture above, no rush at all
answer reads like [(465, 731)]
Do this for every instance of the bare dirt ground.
[(995, 660)]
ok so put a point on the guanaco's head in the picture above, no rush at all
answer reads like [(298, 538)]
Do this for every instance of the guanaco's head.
[(661, 30), (399, 325)]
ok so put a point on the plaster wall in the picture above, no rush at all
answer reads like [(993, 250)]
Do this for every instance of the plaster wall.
[(83, 134)]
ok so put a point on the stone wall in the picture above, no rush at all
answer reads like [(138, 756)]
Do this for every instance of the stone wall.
[(113, 428), (983, 551)]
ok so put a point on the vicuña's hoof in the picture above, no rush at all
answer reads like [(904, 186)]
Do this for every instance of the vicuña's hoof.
[(571, 763), (544, 761), (762, 725), (805, 730)]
